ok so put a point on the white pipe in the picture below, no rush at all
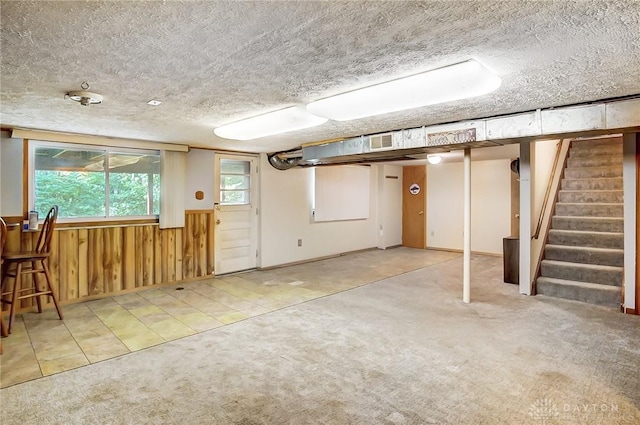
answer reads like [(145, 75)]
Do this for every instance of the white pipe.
[(466, 274)]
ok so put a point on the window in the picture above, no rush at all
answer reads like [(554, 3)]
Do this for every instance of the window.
[(235, 182), (94, 182)]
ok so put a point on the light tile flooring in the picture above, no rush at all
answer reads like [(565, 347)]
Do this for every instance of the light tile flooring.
[(41, 344)]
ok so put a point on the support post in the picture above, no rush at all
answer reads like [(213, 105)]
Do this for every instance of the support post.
[(526, 208), (466, 274), (630, 180)]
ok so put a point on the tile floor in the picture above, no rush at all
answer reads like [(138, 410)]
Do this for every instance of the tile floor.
[(41, 345)]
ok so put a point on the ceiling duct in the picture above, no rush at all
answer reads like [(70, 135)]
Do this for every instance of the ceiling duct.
[(285, 160), (599, 118)]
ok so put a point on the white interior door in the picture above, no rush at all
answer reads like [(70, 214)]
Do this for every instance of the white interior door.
[(236, 233)]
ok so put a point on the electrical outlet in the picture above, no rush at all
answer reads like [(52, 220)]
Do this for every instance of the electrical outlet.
[(299, 242)]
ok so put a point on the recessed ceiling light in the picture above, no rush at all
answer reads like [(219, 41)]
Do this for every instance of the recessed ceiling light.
[(282, 121), (154, 102), (454, 82)]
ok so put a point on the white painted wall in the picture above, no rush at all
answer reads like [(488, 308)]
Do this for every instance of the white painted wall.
[(285, 217), (199, 177), (445, 201), (490, 205), (342, 193), (10, 176), (545, 152), (389, 206)]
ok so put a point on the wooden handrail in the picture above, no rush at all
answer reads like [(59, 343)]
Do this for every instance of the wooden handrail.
[(547, 211), (548, 192)]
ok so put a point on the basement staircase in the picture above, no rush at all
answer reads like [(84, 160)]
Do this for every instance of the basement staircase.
[(583, 257)]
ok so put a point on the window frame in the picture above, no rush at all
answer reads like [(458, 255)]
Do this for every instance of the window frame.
[(247, 192), (106, 219)]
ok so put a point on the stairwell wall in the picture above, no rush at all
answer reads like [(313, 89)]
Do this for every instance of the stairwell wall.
[(545, 152), (536, 168)]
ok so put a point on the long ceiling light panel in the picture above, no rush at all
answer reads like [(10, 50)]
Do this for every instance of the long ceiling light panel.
[(282, 121), (460, 81)]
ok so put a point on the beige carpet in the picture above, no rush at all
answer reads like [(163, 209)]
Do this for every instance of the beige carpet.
[(403, 350)]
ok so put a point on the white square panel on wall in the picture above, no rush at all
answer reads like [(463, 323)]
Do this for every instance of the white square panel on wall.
[(342, 193), (200, 177)]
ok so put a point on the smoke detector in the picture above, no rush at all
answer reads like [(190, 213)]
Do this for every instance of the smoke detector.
[(83, 96)]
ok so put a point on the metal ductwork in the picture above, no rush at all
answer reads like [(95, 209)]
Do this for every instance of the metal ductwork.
[(285, 160), (604, 117)]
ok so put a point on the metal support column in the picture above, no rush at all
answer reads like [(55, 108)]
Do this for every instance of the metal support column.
[(466, 274), (526, 209)]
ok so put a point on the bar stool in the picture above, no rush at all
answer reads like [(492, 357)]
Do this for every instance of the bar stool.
[(26, 263)]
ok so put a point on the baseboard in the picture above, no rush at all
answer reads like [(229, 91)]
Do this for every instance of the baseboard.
[(459, 251), (313, 260), (327, 257)]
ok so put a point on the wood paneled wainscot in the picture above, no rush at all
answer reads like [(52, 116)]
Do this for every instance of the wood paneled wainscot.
[(94, 262)]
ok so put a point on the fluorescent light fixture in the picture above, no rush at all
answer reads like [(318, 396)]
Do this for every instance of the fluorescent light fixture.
[(282, 121), (434, 159), (454, 82)]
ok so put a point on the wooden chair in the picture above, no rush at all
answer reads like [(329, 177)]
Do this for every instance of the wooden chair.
[(3, 240), (21, 264)]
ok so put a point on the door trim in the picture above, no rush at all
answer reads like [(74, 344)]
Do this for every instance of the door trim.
[(254, 197)]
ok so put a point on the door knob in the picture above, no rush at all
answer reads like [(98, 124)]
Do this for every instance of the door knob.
[(218, 221), (421, 212)]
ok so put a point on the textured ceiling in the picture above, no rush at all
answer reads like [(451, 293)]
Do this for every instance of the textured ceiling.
[(214, 62)]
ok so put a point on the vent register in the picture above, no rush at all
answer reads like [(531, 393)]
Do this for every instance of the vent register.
[(380, 141), (403, 144)]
